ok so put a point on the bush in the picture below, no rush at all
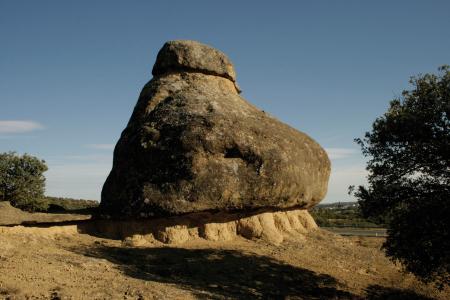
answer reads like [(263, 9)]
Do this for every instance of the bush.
[(409, 177), (22, 181)]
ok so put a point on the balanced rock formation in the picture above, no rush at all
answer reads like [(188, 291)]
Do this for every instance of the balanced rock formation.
[(193, 144)]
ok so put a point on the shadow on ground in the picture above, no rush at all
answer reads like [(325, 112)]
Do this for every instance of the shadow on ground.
[(377, 292), (216, 273)]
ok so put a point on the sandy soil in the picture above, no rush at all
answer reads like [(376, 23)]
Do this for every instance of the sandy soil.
[(59, 263), (10, 215)]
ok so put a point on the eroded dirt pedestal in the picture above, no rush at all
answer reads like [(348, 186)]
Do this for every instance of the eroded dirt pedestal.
[(270, 226)]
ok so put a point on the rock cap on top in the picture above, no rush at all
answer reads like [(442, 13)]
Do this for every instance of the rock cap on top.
[(185, 55)]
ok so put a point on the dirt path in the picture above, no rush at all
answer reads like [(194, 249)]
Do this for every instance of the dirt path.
[(58, 263)]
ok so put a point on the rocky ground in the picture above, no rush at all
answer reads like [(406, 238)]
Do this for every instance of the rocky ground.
[(59, 263)]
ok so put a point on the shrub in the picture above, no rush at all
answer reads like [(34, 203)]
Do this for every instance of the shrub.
[(22, 180), (409, 176)]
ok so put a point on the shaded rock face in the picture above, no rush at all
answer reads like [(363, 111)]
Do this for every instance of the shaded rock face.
[(193, 144)]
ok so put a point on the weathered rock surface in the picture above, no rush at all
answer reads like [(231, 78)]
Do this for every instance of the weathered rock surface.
[(191, 56), (193, 144)]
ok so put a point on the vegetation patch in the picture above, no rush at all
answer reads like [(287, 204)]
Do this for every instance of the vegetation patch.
[(341, 214)]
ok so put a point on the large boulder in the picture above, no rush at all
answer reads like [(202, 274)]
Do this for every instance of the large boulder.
[(193, 144)]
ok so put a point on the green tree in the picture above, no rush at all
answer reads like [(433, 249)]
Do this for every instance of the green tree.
[(22, 181), (409, 176)]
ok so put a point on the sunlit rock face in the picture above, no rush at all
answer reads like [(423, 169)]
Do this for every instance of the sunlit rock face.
[(194, 144)]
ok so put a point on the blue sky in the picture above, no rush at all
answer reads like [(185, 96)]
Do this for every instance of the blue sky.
[(71, 71)]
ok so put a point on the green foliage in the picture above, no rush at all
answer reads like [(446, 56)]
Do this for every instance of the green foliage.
[(22, 181), (67, 204), (336, 216), (409, 176)]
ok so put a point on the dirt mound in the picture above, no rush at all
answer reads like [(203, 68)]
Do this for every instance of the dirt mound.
[(10, 215)]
